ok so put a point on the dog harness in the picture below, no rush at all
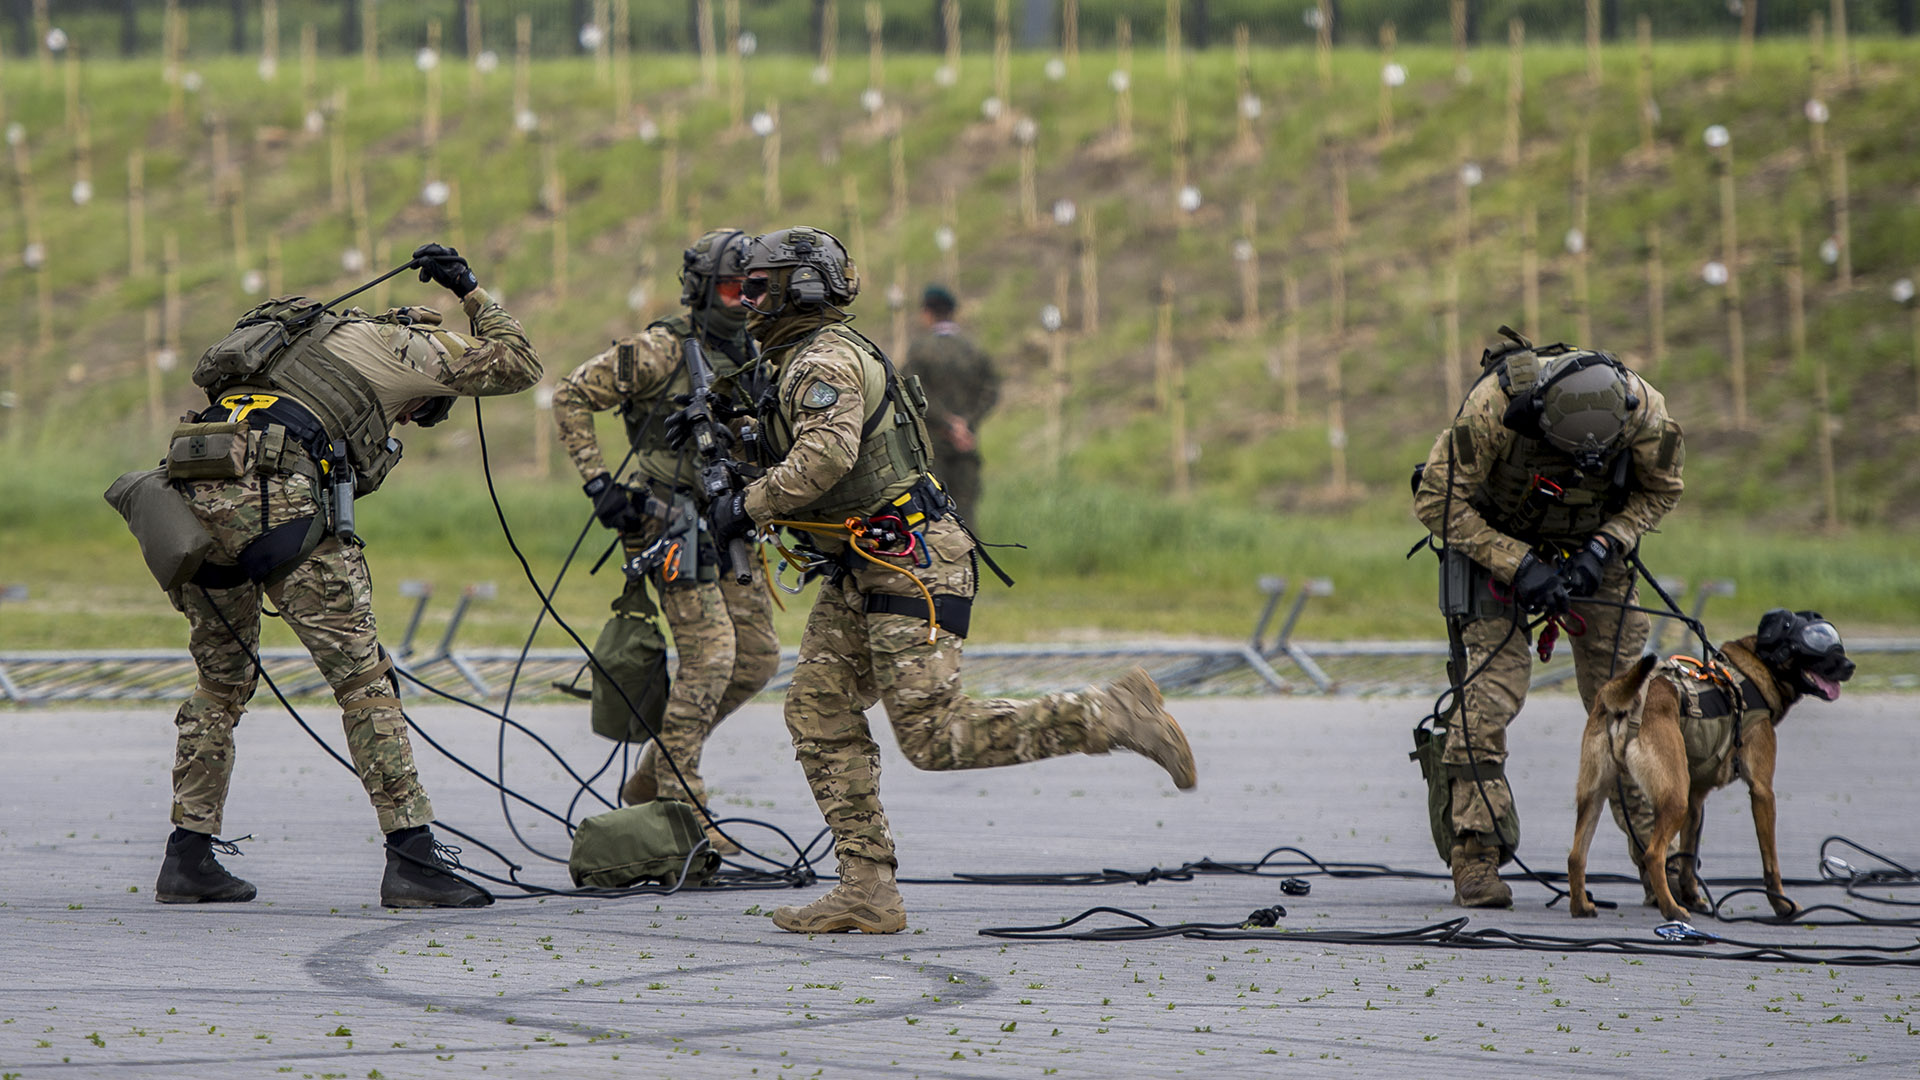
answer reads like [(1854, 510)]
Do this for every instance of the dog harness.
[(1710, 723)]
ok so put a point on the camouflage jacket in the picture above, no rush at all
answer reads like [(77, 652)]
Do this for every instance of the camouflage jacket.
[(959, 379), (1463, 454), (657, 373)]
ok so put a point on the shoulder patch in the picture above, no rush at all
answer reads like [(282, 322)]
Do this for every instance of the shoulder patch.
[(1463, 445), (819, 395)]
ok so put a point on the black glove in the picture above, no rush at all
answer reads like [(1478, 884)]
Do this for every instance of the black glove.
[(1537, 586), (445, 266), (678, 430), (727, 519), (1582, 573), (611, 504)]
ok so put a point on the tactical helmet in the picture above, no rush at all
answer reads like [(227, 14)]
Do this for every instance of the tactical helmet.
[(806, 267), (1582, 405), (721, 253)]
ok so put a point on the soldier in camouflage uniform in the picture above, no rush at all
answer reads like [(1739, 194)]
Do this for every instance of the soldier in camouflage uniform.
[(1556, 465), (344, 381), (847, 442), (722, 630), (962, 387)]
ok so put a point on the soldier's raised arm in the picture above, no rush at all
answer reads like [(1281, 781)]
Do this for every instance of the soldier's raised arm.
[(496, 357)]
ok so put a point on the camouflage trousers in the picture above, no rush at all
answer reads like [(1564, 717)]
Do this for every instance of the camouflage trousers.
[(850, 659), (726, 652), (1502, 656), (328, 603)]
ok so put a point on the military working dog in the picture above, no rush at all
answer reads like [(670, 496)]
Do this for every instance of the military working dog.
[(1681, 728)]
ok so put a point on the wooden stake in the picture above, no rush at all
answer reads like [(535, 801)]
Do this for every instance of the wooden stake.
[(622, 61), (1003, 57), (156, 410), (136, 213), (383, 292), (1171, 383), (370, 40), (770, 160), (1323, 43), (42, 23), (1593, 44), (669, 164), (1643, 85), (1174, 66), (430, 111), (1530, 270), (830, 39), (1057, 368), (950, 17), (170, 291), (1462, 201), (1290, 352), (1749, 24), (1123, 97), (172, 45), (1089, 274), (276, 266), (603, 48), (471, 10), (1245, 145), (1582, 297), (1656, 303), (1342, 215), (1450, 376), (1822, 398), (523, 71), (557, 186), (709, 59), (1029, 196), (1816, 34), (856, 229), (1336, 386), (876, 45), (736, 78), (1178, 130), (1458, 17), (1842, 219), (309, 67), (337, 165), (897, 168), (1730, 256), (1070, 34), (1247, 254), (1843, 63), (950, 216), (1516, 90), (270, 36), (237, 220), (1388, 38)]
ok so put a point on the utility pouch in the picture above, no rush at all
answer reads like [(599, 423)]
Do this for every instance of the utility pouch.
[(216, 451), (1463, 587), (641, 844), (916, 393), (633, 656), (242, 354), (172, 539)]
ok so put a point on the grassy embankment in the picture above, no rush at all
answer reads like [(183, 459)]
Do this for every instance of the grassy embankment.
[(1110, 551)]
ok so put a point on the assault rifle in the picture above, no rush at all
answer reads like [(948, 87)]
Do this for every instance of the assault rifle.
[(720, 473)]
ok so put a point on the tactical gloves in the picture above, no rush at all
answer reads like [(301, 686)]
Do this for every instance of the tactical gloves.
[(611, 504), (727, 519), (1537, 586), (678, 426), (446, 267), (1583, 571)]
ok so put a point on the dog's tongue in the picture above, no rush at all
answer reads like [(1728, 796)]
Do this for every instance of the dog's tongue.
[(1823, 686)]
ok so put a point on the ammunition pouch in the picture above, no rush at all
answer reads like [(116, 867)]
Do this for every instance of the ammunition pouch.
[(215, 451), (636, 845), (173, 541)]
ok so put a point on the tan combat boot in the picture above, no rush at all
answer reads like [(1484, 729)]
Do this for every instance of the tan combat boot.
[(865, 900), (1138, 721), (1476, 876), (641, 786)]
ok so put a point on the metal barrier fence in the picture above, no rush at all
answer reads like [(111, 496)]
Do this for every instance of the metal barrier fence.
[(1282, 664)]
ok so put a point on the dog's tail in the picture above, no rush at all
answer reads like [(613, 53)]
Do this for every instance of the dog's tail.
[(1624, 695)]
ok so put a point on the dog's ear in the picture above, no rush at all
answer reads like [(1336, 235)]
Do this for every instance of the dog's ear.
[(1624, 694)]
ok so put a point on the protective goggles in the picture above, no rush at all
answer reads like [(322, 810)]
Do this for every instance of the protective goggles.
[(754, 288), (728, 289), (1816, 638)]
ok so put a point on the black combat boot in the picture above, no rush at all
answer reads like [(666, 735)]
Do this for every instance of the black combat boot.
[(191, 875), (419, 876)]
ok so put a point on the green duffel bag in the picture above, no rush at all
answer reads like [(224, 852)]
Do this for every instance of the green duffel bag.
[(172, 539), (633, 654), (642, 844)]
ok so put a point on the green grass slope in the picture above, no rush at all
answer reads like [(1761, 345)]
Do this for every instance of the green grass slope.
[(1111, 549)]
